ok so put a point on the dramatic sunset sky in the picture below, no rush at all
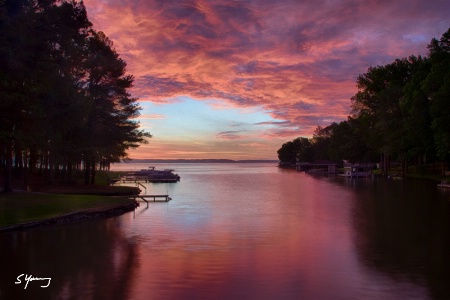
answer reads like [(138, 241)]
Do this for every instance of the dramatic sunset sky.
[(237, 79)]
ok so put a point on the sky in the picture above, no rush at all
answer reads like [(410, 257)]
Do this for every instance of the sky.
[(237, 79)]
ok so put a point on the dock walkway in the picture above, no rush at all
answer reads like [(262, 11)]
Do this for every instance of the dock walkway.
[(156, 198)]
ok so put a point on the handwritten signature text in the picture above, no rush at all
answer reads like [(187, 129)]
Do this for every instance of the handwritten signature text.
[(29, 278)]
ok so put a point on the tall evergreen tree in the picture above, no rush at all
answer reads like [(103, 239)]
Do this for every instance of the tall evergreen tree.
[(437, 86), (110, 130), (16, 77), (416, 109), (64, 91), (378, 103), (401, 110)]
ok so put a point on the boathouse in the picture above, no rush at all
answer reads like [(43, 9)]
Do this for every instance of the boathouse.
[(317, 167)]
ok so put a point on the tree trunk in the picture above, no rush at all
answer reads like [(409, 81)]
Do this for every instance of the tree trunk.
[(32, 160), (50, 171), (86, 171), (404, 165), (18, 162), (384, 164), (69, 172), (7, 181), (93, 171), (25, 169)]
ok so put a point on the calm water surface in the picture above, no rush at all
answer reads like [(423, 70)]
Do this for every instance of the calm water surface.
[(246, 231)]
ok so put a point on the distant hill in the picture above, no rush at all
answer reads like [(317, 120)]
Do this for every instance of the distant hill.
[(200, 161)]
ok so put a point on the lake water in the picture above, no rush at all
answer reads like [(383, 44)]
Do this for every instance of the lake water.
[(246, 231)]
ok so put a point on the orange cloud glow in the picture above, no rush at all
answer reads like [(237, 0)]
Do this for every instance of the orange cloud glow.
[(296, 60)]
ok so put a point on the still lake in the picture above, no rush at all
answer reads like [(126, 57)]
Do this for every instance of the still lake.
[(246, 231)]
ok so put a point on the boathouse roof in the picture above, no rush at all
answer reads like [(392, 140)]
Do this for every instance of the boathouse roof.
[(318, 163)]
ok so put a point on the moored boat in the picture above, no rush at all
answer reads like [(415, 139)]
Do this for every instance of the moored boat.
[(357, 170), (152, 175)]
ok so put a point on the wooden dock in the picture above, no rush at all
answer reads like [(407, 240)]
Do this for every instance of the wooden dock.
[(153, 198)]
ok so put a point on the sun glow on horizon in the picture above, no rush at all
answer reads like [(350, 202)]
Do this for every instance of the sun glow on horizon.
[(184, 128)]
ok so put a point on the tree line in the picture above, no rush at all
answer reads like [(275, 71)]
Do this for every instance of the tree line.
[(64, 93), (400, 112)]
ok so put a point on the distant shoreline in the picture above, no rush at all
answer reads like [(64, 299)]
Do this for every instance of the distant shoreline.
[(200, 161)]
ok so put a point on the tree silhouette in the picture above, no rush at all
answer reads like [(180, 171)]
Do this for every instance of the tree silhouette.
[(64, 98)]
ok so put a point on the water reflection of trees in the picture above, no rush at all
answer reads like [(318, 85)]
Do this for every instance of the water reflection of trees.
[(403, 230), (87, 260)]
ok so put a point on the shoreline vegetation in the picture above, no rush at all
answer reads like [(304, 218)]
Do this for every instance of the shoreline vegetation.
[(65, 105), (400, 119), (429, 172), (66, 114)]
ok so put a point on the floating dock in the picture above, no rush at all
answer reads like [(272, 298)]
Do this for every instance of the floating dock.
[(153, 198)]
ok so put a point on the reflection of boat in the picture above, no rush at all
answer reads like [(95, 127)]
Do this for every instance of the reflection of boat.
[(357, 170), (151, 175), (444, 184)]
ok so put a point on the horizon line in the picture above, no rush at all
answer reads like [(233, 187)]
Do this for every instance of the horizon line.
[(194, 159)]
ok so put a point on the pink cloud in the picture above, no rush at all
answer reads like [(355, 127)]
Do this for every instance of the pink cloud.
[(296, 59)]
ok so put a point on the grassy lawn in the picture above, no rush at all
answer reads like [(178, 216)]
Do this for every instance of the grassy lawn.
[(100, 190), (44, 200), (22, 207)]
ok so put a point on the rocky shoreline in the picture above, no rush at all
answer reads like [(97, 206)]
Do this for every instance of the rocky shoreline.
[(76, 216)]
